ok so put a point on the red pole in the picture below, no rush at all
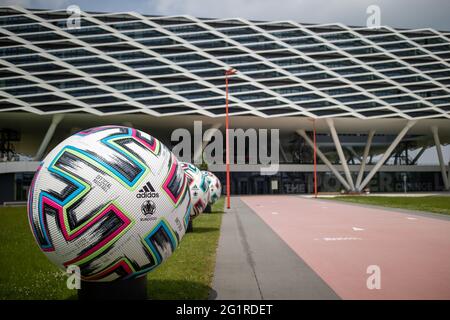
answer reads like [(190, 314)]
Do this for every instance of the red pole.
[(227, 73), (227, 145), (315, 160)]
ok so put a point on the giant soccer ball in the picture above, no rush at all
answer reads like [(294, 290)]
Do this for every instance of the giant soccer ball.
[(111, 200), (198, 187), (215, 187)]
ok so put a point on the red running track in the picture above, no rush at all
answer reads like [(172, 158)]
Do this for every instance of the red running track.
[(339, 241)]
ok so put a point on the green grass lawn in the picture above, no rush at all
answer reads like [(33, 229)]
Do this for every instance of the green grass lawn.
[(25, 272), (436, 204)]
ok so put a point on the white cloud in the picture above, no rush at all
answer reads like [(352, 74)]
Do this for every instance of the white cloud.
[(36, 3), (399, 13)]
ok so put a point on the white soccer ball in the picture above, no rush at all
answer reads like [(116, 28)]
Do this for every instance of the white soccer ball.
[(215, 186), (111, 200), (198, 187)]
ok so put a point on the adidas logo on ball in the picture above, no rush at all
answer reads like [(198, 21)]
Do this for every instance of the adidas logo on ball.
[(147, 191)]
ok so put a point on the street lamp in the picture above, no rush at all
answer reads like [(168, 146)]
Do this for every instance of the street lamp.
[(315, 157), (228, 73)]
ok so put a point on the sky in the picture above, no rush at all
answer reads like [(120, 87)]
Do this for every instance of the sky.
[(394, 13)]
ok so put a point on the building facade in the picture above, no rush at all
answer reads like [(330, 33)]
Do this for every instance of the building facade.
[(377, 98)]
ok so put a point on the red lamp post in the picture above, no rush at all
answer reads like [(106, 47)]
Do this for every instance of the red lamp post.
[(314, 156), (315, 160), (229, 72)]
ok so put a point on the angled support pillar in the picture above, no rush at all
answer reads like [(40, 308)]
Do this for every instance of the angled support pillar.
[(364, 158), (283, 153), (48, 136), (437, 143), (340, 152), (448, 177), (387, 154), (354, 154), (325, 160), (419, 154)]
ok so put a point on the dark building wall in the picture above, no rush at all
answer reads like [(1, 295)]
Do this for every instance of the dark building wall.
[(302, 182), (7, 187), (14, 187)]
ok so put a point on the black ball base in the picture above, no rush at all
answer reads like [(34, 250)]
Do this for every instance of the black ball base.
[(190, 228), (132, 289), (208, 208)]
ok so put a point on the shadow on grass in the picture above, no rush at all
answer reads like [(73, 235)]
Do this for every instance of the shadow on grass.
[(204, 229), (173, 290), (162, 289), (213, 212)]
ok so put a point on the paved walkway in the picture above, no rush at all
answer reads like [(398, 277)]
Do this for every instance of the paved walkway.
[(253, 262), (339, 241), (387, 194)]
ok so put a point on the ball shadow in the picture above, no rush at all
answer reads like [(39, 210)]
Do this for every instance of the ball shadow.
[(158, 289), (204, 229)]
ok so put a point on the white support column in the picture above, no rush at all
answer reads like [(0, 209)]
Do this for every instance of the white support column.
[(302, 133), (387, 154), (448, 167), (198, 156), (437, 144), (364, 158), (340, 152), (283, 153), (354, 154), (48, 136)]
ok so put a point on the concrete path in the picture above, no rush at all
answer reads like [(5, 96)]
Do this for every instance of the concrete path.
[(386, 194), (253, 262), (340, 241)]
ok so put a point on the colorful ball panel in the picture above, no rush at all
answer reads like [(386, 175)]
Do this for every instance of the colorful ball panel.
[(215, 186), (198, 187), (111, 200)]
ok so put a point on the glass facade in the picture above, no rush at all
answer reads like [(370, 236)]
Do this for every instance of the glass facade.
[(127, 63), (302, 182), (116, 63), (22, 183)]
